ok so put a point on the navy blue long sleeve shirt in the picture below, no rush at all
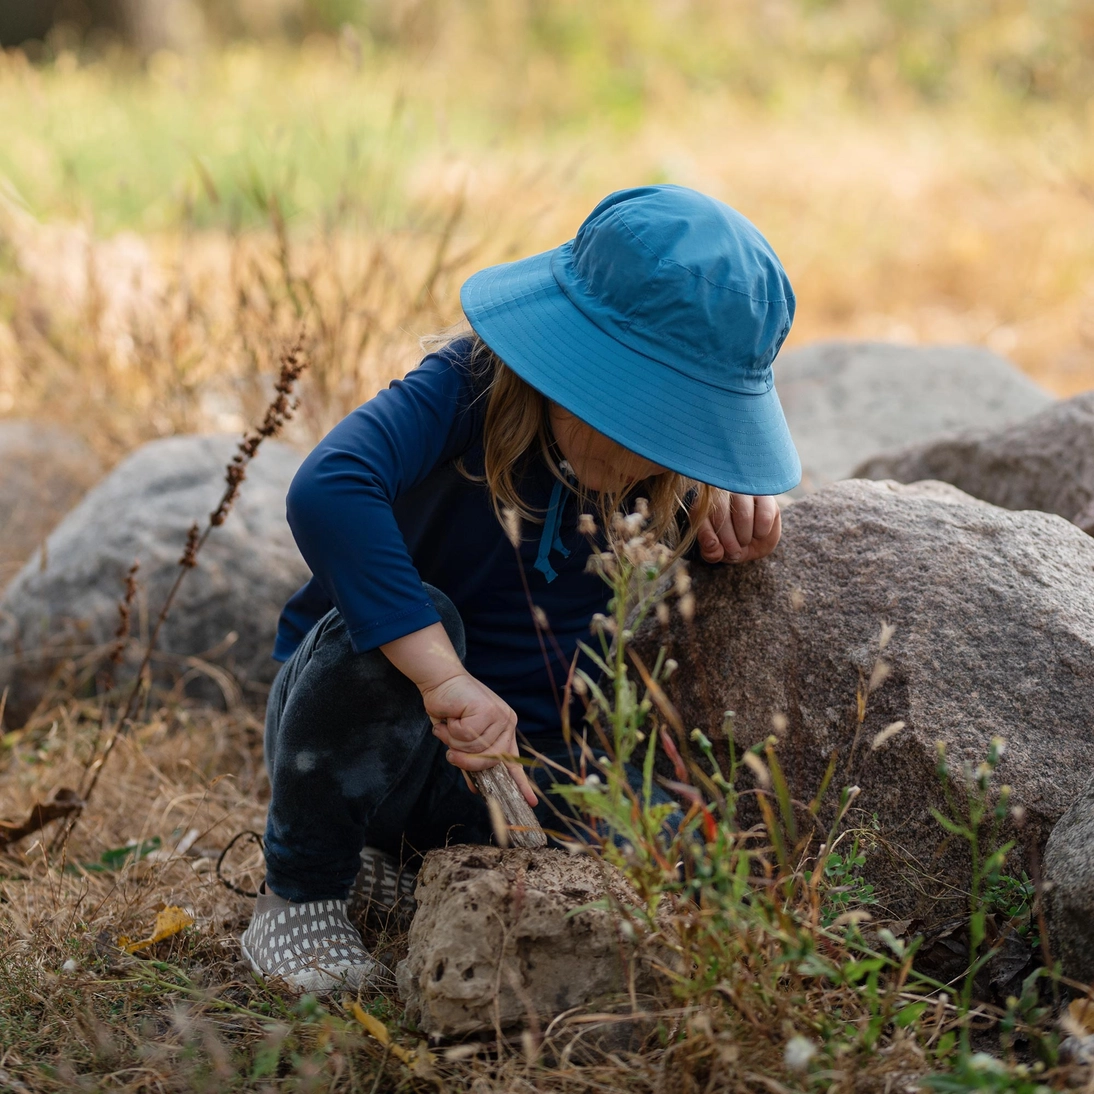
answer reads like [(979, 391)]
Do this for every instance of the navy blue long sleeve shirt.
[(379, 507)]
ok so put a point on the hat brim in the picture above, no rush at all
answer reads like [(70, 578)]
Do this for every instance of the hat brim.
[(735, 441)]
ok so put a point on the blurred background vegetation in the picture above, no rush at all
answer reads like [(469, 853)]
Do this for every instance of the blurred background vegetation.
[(182, 181)]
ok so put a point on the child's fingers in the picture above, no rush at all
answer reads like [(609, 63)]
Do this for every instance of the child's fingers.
[(469, 736), (763, 520), (710, 546), (524, 784), (762, 547), (742, 510)]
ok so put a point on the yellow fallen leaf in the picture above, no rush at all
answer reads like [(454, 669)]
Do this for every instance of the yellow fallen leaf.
[(420, 1061), (170, 921)]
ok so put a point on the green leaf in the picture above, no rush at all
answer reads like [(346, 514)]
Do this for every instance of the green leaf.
[(117, 857), (906, 1016)]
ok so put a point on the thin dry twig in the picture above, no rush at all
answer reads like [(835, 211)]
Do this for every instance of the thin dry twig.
[(280, 411)]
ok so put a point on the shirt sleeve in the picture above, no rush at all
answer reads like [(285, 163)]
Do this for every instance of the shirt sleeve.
[(340, 502)]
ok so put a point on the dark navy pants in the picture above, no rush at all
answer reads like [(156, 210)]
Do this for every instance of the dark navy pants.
[(353, 761)]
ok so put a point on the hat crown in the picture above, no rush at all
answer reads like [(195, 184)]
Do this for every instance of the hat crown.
[(684, 279)]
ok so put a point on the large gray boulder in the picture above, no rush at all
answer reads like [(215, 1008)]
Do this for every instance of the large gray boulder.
[(847, 401), (497, 940), (64, 602), (993, 617), (1044, 462), (44, 470), (1069, 873)]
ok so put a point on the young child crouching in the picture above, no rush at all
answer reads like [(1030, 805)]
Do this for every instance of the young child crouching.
[(634, 360)]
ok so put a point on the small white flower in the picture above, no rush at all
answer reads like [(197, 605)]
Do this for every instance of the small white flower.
[(592, 780), (798, 1053)]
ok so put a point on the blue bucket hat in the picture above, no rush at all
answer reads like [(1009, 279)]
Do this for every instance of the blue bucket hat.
[(656, 325)]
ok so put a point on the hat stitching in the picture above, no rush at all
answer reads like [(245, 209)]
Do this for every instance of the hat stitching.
[(547, 332), (695, 273), (758, 364)]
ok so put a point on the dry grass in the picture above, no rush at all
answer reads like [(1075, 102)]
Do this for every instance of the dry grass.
[(961, 222)]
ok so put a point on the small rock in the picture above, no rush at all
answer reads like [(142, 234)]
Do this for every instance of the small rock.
[(993, 635), (44, 470), (1069, 903), (847, 401), (65, 601), (1078, 1050), (493, 943), (1044, 462)]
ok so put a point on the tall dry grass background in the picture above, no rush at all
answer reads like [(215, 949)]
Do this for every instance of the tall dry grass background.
[(169, 221), (926, 172)]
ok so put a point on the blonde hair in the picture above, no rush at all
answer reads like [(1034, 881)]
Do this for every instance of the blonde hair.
[(517, 430)]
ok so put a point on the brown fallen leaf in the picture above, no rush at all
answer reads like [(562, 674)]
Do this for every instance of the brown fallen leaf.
[(1081, 1012), (169, 921), (64, 803)]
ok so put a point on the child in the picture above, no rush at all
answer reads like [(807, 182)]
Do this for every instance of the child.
[(634, 360)]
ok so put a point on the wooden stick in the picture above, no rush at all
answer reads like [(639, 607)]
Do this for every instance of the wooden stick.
[(497, 783)]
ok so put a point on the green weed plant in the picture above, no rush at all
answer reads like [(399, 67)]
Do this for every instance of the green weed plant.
[(769, 922)]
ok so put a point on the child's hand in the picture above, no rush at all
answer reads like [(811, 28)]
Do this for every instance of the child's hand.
[(476, 725), (740, 528)]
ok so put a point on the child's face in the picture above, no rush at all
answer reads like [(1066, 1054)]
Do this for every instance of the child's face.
[(601, 465)]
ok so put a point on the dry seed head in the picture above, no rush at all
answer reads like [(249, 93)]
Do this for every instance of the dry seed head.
[(671, 665), (511, 522), (758, 768), (797, 599), (686, 607), (887, 632), (579, 686), (886, 734), (853, 918), (681, 582), (540, 616), (642, 508), (586, 524), (779, 722), (881, 673), (663, 613)]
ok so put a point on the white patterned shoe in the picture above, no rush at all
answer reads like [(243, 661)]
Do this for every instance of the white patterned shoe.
[(312, 947), (384, 890)]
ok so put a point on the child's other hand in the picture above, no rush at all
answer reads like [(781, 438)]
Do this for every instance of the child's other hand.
[(476, 725), (740, 528)]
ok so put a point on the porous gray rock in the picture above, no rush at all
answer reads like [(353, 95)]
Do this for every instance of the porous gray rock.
[(847, 401), (993, 617), (44, 470), (494, 945), (1044, 462), (64, 602), (1069, 873)]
